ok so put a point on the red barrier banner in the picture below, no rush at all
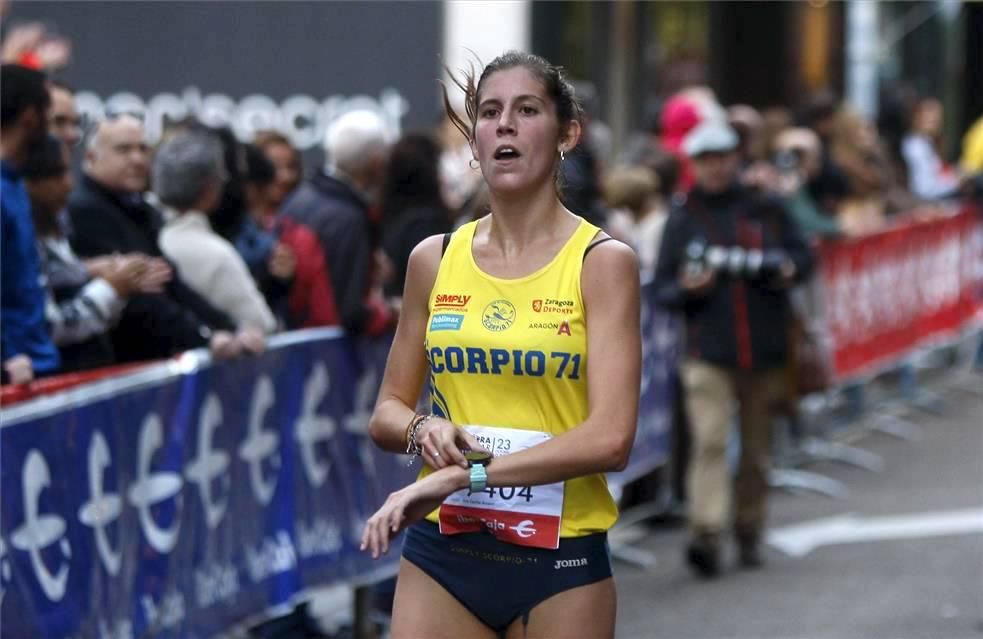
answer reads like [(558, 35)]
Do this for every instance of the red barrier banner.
[(15, 393), (889, 293)]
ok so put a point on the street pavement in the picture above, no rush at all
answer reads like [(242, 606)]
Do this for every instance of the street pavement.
[(870, 575)]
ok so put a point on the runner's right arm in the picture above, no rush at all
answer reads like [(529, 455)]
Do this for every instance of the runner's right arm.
[(406, 370)]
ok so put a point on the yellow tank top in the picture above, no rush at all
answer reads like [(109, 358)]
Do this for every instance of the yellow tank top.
[(512, 353)]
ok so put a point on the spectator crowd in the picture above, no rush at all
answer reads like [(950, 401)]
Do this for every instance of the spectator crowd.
[(207, 240)]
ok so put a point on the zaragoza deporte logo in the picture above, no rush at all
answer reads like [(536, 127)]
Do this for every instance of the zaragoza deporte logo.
[(498, 315)]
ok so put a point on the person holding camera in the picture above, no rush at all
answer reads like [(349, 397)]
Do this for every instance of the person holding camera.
[(728, 258), (798, 158)]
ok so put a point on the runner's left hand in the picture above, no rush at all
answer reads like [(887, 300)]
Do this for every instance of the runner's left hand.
[(441, 443), (407, 506)]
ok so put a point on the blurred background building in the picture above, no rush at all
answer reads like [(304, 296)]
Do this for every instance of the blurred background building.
[(296, 66), (767, 53)]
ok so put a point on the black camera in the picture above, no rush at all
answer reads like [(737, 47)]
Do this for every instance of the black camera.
[(788, 160), (734, 261)]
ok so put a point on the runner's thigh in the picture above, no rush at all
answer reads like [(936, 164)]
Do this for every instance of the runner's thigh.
[(422, 608), (585, 612)]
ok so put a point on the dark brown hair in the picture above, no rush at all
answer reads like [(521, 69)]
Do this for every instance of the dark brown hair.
[(23, 89), (558, 88), (412, 177), (268, 137)]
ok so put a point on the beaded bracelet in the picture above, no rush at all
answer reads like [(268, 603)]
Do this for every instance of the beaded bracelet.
[(412, 446), (409, 430)]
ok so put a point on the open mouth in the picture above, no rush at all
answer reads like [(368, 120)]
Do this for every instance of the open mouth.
[(506, 152)]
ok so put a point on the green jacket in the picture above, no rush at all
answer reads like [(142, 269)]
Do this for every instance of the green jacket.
[(812, 222)]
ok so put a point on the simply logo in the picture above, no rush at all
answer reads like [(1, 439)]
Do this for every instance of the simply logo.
[(498, 316), (454, 302)]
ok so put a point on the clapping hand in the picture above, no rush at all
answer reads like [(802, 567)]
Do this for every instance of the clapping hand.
[(156, 275), (124, 273)]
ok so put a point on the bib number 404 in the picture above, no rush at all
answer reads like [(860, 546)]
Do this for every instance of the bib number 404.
[(507, 492)]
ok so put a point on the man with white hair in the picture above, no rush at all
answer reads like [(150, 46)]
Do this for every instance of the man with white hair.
[(109, 215), (336, 203), (188, 174)]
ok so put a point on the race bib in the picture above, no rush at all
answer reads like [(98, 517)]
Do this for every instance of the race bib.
[(522, 515)]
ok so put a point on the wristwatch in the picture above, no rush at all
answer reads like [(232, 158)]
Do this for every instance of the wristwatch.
[(477, 460)]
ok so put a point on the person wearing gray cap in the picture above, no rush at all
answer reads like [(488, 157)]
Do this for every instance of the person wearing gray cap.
[(710, 137), (728, 257)]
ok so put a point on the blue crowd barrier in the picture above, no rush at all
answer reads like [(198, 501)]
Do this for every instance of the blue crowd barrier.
[(184, 499), (192, 496)]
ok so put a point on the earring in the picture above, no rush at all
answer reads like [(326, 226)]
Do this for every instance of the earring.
[(561, 155), (474, 164)]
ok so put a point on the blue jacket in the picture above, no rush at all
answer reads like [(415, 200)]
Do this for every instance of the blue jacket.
[(23, 329)]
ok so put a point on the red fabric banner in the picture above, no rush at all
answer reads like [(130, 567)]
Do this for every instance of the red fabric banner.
[(15, 393), (888, 293)]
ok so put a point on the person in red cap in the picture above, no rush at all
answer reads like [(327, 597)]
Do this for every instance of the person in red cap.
[(680, 115)]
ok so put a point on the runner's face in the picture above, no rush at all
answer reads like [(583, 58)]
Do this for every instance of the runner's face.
[(517, 135)]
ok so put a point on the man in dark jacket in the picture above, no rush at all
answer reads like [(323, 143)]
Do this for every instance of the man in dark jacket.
[(109, 215), (727, 259), (335, 204)]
